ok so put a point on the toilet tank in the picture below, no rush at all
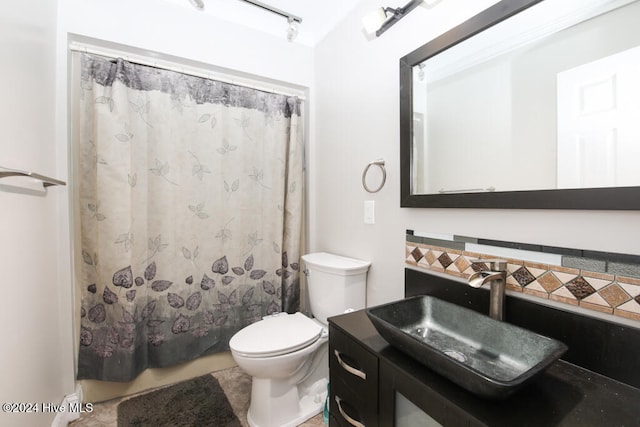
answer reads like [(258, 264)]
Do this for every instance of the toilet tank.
[(335, 284)]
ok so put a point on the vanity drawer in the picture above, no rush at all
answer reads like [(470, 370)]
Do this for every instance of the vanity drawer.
[(350, 410), (352, 363), (353, 377)]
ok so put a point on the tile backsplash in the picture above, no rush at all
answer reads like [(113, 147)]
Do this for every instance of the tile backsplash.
[(613, 294)]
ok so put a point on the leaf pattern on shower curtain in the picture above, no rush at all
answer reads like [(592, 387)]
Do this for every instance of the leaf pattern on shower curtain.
[(190, 214)]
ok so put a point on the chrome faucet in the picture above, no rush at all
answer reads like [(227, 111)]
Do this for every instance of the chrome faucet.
[(497, 279)]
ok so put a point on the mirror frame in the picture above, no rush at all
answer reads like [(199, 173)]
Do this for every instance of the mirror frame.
[(605, 198)]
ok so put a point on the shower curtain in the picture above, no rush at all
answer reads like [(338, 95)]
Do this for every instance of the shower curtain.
[(190, 205)]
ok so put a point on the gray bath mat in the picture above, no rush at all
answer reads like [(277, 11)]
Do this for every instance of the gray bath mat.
[(196, 402)]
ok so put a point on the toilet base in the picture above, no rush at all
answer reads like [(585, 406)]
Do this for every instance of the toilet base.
[(287, 389), (286, 406)]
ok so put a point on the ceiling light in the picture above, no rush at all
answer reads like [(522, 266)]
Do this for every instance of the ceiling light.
[(198, 4), (383, 18)]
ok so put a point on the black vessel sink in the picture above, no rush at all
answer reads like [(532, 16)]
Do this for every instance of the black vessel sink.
[(485, 356)]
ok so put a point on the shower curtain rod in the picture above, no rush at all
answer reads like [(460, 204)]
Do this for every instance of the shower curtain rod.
[(192, 71), (274, 10)]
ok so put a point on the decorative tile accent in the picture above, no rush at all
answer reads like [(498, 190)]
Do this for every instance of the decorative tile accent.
[(549, 282), (630, 310), (565, 277), (596, 307), (596, 299), (580, 288), (523, 276), (563, 295), (614, 295), (597, 283), (445, 260), (602, 276), (512, 267), (603, 292), (513, 285), (462, 264), (629, 280), (417, 254), (536, 269), (632, 290), (535, 289), (430, 257), (479, 266)]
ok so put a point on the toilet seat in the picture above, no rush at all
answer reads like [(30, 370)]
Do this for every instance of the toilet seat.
[(276, 335)]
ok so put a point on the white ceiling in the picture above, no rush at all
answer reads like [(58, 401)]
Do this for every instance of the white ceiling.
[(318, 16)]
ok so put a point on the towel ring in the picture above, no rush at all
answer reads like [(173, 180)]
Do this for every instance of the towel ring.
[(380, 164)]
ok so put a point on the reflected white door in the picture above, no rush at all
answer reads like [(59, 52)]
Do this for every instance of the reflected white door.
[(599, 123)]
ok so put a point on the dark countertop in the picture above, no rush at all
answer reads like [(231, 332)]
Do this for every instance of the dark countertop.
[(564, 395)]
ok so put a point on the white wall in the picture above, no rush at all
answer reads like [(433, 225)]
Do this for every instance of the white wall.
[(357, 120), (490, 130), (35, 312)]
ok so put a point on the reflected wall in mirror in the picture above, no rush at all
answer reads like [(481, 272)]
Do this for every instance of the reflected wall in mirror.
[(530, 104)]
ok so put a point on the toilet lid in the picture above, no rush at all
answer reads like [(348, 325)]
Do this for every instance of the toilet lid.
[(276, 335)]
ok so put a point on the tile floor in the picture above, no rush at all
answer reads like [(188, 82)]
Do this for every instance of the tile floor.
[(235, 383)]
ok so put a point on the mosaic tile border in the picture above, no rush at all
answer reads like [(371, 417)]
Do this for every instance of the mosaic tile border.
[(602, 292)]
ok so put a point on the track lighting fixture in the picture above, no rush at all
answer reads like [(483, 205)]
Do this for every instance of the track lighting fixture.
[(294, 21), (292, 31), (383, 18)]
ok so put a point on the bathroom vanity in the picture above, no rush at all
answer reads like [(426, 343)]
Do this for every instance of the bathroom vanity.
[(373, 384)]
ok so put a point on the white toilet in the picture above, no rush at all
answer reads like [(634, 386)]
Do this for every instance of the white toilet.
[(286, 354)]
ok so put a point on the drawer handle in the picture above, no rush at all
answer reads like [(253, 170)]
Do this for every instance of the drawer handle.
[(347, 417), (349, 368)]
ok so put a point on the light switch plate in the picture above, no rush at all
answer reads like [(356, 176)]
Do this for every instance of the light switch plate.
[(369, 212)]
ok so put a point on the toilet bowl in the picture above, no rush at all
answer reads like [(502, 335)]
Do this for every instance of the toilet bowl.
[(277, 346), (280, 352), (287, 354)]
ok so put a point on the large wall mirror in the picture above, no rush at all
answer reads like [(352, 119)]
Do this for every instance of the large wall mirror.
[(530, 104)]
